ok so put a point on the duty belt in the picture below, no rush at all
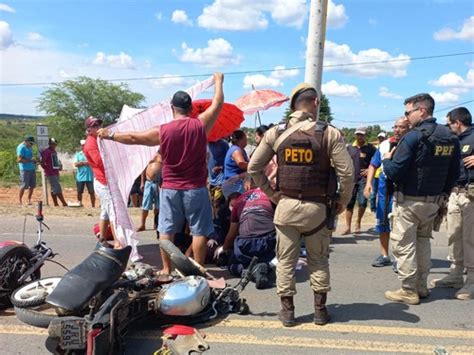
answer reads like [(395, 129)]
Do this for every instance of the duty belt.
[(433, 199)]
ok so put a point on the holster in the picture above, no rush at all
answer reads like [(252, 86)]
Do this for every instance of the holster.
[(442, 212)]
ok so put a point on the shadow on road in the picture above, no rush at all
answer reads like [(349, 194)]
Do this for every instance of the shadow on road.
[(367, 311)]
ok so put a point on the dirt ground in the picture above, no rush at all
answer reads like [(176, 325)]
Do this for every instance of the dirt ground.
[(9, 204)]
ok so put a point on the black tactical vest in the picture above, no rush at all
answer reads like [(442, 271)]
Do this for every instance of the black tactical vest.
[(304, 170), (466, 175), (436, 148)]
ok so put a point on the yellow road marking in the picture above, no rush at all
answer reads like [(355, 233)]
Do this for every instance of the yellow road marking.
[(286, 341), (344, 328), (362, 345)]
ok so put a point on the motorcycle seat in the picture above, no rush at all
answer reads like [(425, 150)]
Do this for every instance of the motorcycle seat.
[(94, 274)]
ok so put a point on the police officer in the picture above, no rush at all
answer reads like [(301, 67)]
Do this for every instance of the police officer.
[(305, 151), (424, 166), (461, 210)]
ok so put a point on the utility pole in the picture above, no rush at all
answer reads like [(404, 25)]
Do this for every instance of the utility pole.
[(315, 43)]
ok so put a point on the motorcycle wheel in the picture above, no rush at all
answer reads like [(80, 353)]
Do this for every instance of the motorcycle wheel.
[(39, 316), (14, 260), (180, 261), (34, 293)]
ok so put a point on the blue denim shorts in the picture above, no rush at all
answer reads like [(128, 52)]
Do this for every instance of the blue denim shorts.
[(358, 195), (380, 227), (180, 206), (151, 196)]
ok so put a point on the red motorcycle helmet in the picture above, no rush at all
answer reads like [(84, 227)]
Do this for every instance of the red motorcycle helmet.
[(108, 233)]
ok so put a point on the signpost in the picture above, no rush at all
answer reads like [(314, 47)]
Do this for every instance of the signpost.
[(42, 138)]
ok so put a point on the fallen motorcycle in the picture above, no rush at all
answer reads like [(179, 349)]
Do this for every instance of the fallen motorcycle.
[(20, 264), (95, 303)]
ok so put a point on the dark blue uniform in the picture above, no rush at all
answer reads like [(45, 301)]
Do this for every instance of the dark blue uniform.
[(466, 176), (426, 162)]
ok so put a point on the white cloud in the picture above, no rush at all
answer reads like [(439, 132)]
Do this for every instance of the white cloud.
[(180, 16), (233, 16), (121, 60), (333, 88), (261, 81), (373, 22), (6, 38), (245, 15), (289, 13), (6, 8), (445, 97), (273, 80), (34, 37), (168, 80), (380, 62), (280, 72), (159, 16), (218, 53), (337, 17), (385, 92), (465, 33), (455, 82)]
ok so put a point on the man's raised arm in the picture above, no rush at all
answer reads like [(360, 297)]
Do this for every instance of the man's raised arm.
[(209, 116)]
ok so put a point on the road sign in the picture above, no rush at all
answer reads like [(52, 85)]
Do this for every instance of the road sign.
[(42, 130), (42, 137)]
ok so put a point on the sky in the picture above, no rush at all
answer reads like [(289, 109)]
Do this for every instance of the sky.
[(413, 46)]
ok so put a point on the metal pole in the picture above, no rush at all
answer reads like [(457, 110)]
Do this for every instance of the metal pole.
[(316, 38)]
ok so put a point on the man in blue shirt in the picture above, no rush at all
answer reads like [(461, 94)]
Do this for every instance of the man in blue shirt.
[(84, 176), (27, 165)]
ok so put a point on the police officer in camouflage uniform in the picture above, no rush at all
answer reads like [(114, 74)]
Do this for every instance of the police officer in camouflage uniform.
[(461, 210), (310, 155), (424, 167)]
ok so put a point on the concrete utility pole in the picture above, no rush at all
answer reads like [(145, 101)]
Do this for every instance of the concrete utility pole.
[(316, 37)]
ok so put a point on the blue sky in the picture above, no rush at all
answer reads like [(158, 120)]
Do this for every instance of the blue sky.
[(44, 41)]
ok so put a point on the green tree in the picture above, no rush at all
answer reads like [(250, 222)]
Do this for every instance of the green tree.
[(324, 110), (69, 103)]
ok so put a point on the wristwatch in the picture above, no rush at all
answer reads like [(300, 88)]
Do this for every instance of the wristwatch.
[(111, 136)]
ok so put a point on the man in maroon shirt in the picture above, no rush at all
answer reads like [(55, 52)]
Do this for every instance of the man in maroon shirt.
[(51, 166), (183, 149), (92, 153)]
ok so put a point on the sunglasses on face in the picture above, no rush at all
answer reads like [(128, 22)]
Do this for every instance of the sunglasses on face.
[(408, 113)]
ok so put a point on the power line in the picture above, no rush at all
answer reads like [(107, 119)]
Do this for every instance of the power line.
[(254, 71), (391, 120)]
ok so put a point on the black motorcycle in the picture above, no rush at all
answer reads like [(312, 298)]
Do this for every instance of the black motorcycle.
[(92, 307)]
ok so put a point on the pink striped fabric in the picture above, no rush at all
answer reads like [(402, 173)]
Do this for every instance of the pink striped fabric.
[(123, 163)]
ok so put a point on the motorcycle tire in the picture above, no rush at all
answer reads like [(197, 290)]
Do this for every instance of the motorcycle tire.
[(39, 316), (180, 261), (8, 255), (34, 293)]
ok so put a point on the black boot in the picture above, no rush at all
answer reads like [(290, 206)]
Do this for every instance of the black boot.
[(287, 312), (321, 315)]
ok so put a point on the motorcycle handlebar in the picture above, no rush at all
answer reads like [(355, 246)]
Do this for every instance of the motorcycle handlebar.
[(39, 211)]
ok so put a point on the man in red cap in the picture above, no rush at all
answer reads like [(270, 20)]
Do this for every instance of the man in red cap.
[(92, 153), (183, 149)]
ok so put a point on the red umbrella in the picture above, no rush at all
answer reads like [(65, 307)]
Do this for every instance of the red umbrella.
[(228, 121), (257, 100)]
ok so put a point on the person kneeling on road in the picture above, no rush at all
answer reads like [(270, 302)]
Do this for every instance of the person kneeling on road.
[(251, 233)]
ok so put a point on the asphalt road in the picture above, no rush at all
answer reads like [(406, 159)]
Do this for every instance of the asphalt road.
[(362, 320)]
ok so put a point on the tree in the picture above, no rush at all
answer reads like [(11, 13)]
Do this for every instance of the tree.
[(324, 110), (69, 103)]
